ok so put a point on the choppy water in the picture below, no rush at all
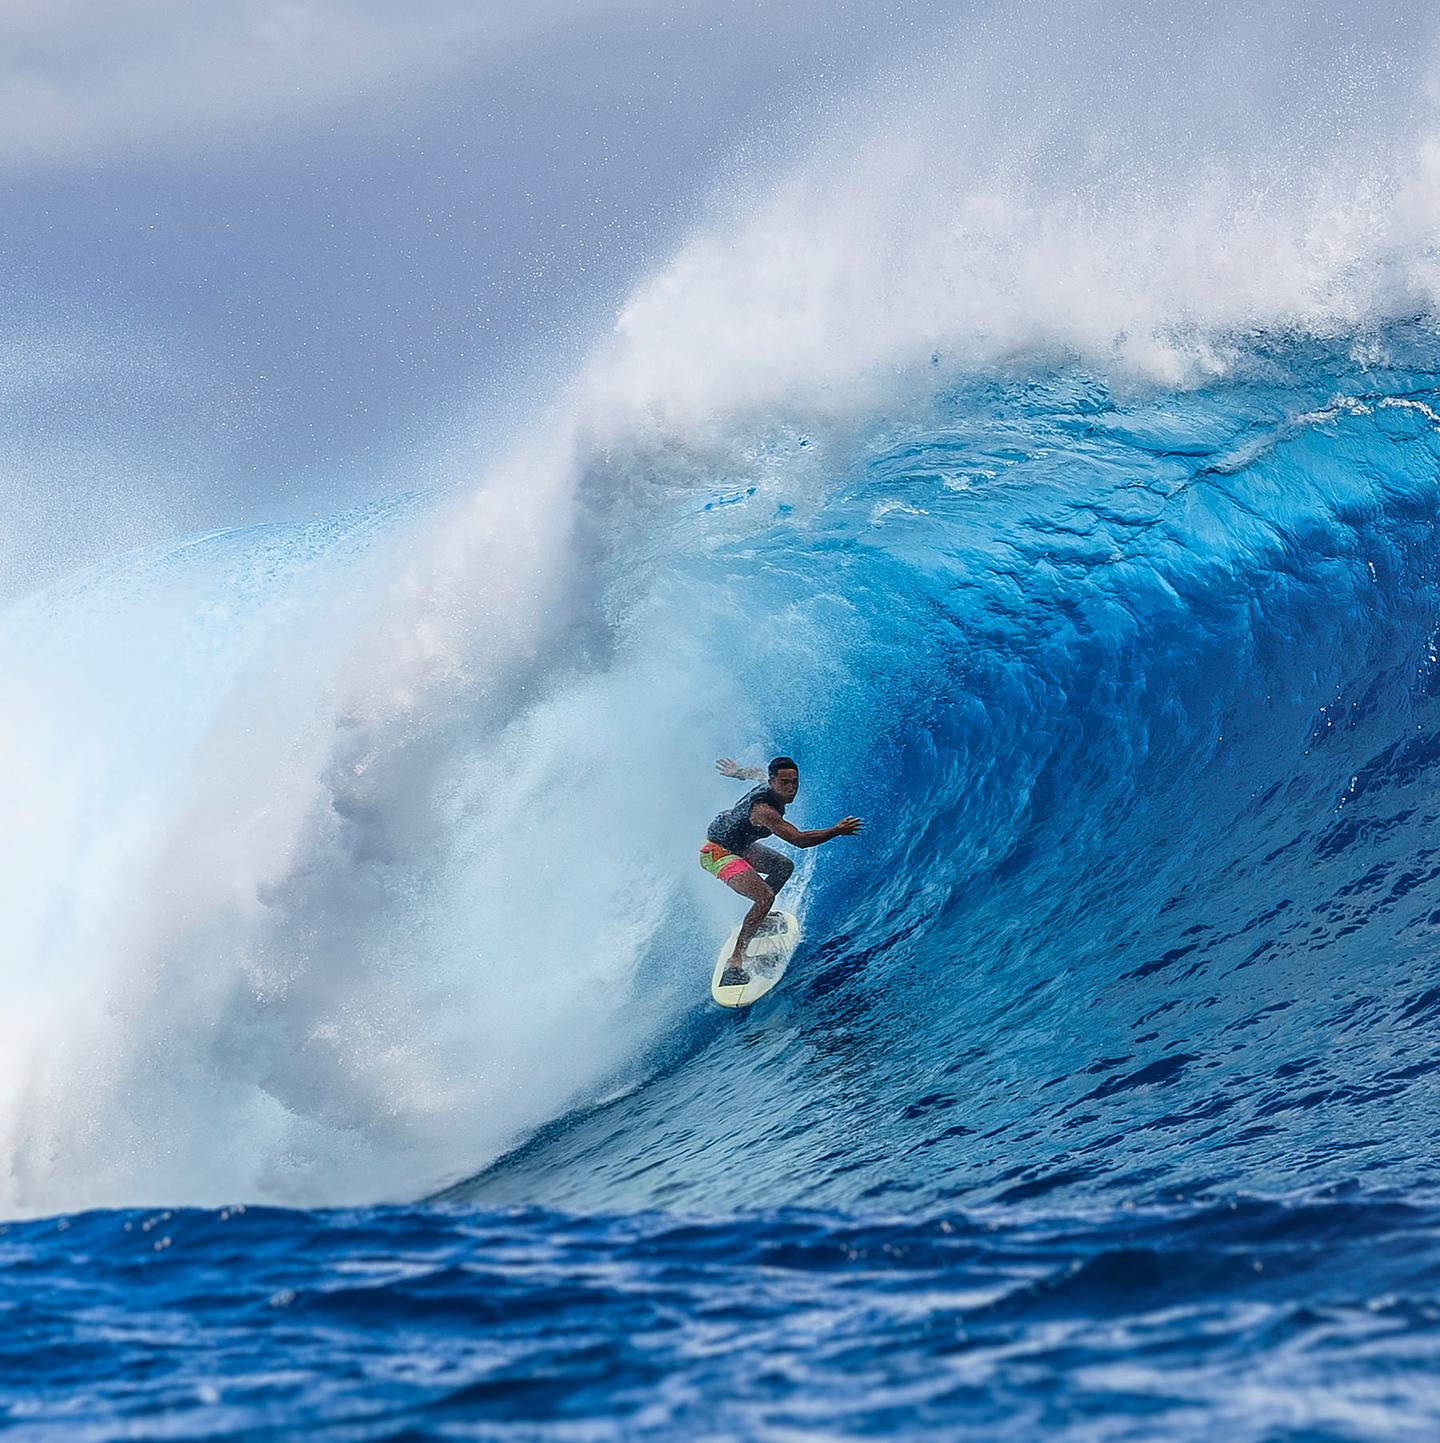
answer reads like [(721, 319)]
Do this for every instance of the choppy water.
[(1259, 1319)]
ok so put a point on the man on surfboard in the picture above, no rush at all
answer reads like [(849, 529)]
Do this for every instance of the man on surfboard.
[(732, 849)]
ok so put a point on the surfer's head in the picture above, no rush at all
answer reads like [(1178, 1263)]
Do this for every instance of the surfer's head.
[(784, 778)]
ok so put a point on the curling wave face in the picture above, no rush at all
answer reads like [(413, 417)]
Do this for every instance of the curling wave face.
[(1139, 694), (1138, 691)]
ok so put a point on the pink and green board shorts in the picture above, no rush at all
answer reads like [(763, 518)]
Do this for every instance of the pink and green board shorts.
[(720, 863)]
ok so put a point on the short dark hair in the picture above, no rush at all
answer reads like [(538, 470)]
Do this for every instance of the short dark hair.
[(778, 764)]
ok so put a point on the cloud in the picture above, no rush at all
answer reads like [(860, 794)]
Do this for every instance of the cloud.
[(81, 82)]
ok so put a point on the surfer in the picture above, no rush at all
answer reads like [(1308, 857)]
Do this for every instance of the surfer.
[(733, 853)]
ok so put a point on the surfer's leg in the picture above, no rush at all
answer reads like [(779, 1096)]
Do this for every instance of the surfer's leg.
[(771, 865), (751, 885)]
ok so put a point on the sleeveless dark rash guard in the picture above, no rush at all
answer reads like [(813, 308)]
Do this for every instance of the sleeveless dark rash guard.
[(734, 830)]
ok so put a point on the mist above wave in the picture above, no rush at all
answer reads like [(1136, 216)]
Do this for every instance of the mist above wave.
[(1139, 190)]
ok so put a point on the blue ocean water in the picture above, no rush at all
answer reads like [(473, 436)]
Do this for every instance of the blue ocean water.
[(1098, 1103), (1045, 453), (1295, 1320)]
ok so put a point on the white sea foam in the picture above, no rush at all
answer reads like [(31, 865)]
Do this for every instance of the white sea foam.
[(317, 887), (1141, 191)]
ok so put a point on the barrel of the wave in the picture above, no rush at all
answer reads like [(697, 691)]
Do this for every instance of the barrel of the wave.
[(766, 958)]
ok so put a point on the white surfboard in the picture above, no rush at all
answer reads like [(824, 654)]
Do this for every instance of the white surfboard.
[(765, 960)]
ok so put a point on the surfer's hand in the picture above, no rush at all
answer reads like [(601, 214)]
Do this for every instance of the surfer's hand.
[(728, 767), (848, 826)]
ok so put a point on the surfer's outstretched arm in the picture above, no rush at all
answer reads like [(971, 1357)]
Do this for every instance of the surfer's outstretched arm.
[(769, 817), (727, 767)]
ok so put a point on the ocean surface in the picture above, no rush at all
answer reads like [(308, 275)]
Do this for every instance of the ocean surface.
[(358, 1075)]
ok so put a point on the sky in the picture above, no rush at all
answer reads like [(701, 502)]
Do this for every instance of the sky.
[(271, 259)]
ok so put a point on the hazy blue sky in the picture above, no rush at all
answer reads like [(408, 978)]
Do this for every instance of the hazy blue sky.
[(273, 257)]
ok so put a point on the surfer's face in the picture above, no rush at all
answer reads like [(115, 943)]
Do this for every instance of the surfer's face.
[(785, 783)]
